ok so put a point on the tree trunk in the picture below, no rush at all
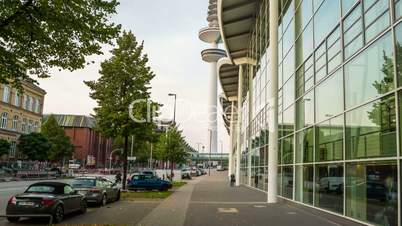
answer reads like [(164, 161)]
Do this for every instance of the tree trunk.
[(125, 162), (171, 171)]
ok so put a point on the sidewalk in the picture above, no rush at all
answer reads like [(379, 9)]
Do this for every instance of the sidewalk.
[(213, 202)]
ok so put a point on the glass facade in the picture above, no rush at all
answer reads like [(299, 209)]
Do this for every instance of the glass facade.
[(340, 97)]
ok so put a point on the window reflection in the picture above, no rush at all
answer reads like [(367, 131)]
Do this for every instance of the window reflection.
[(287, 150), (305, 111), (287, 182), (305, 146), (329, 98), (371, 130), (329, 187), (371, 73), (329, 140), (372, 191)]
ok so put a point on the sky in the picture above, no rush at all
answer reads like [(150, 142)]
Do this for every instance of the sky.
[(169, 29)]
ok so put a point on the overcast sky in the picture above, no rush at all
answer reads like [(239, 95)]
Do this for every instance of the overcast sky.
[(169, 29)]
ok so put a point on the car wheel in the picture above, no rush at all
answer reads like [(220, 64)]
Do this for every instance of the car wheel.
[(83, 205), (13, 219), (118, 196), (58, 214), (104, 200)]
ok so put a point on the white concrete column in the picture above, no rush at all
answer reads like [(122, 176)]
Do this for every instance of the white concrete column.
[(213, 102), (250, 119), (231, 163), (239, 119), (273, 104)]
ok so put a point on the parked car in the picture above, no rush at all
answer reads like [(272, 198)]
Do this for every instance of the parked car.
[(97, 190), (219, 168), (148, 182), (53, 198), (193, 171), (199, 172), (186, 173), (148, 172)]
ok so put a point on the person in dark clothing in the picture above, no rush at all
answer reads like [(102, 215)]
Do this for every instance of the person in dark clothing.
[(232, 180), (118, 177)]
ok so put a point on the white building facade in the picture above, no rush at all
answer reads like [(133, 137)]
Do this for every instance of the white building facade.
[(313, 91)]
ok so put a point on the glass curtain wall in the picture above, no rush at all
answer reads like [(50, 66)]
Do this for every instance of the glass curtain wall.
[(340, 76)]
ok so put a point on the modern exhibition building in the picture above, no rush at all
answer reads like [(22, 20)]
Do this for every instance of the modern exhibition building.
[(313, 101)]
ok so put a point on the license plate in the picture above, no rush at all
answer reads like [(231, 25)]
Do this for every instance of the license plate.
[(26, 203)]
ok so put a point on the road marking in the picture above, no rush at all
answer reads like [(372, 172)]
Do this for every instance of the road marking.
[(227, 203), (291, 213), (259, 206), (228, 210)]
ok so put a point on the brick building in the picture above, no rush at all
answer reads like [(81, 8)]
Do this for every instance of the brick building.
[(91, 149)]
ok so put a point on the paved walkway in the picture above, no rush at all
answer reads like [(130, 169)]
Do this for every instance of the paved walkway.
[(210, 201)]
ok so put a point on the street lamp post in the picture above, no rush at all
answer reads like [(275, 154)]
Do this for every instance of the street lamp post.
[(110, 157), (209, 158), (174, 111)]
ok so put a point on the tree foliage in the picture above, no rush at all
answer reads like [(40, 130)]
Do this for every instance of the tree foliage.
[(172, 146), (35, 146), (61, 146), (37, 35), (125, 79), (4, 147)]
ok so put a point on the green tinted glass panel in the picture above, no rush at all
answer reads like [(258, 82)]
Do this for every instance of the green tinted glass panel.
[(329, 140), (329, 98), (305, 111), (372, 191), (287, 150), (370, 74), (371, 130), (304, 184), (376, 18), (325, 19), (329, 187), (347, 5), (398, 34), (305, 146)]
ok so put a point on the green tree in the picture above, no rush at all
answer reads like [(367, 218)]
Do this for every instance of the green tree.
[(35, 146), (172, 147), (61, 147), (37, 35), (4, 147), (125, 80)]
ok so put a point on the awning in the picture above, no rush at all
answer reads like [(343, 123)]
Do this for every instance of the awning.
[(236, 20), (228, 77)]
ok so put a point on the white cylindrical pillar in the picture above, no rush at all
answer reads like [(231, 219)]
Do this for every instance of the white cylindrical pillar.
[(250, 119), (230, 170), (239, 119), (273, 104), (213, 102)]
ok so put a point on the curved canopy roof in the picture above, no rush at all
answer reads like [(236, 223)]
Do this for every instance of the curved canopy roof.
[(236, 19), (228, 76)]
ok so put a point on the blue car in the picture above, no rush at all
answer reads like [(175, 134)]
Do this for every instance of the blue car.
[(148, 182)]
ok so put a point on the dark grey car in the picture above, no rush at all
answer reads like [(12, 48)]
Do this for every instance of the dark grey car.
[(97, 190), (46, 198)]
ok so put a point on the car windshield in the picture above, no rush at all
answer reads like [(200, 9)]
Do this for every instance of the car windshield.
[(41, 189), (83, 183)]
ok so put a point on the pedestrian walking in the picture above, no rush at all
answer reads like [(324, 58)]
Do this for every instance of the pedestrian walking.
[(232, 180)]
